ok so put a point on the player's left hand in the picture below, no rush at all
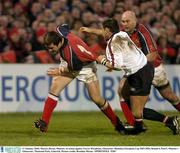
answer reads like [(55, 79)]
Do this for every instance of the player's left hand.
[(55, 71)]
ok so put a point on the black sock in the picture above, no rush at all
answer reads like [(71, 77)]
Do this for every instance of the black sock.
[(138, 124), (151, 114)]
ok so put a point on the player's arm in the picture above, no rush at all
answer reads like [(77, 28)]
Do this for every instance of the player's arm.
[(111, 66), (56, 71), (98, 32), (103, 60), (150, 43), (152, 56)]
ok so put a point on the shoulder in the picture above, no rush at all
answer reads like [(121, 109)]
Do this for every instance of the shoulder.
[(142, 28), (121, 35), (63, 30), (140, 25)]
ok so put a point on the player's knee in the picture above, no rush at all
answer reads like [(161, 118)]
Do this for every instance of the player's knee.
[(97, 99), (172, 98), (54, 89)]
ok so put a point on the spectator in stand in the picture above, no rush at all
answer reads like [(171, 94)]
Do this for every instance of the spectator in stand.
[(177, 42), (17, 43), (87, 18), (3, 33), (56, 8), (76, 13), (35, 10), (176, 18), (171, 31), (167, 53), (38, 41), (51, 26), (97, 8), (156, 14), (60, 20), (108, 9)]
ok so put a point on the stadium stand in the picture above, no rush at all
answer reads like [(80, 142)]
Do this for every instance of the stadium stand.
[(8, 57), (43, 56), (162, 17)]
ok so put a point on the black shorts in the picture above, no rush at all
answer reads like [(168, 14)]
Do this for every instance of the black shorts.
[(140, 82)]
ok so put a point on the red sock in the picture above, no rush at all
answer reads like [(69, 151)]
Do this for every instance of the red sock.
[(127, 113), (49, 106), (177, 106), (107, 110)]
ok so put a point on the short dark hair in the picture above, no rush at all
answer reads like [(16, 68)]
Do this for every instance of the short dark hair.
[(52, 37), (112, 25)]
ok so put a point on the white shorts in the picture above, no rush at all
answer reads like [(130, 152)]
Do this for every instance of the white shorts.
[(87, 74), (160, 79)]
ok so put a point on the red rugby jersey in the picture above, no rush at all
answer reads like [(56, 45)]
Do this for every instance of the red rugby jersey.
[(142, 37), (75, 52)]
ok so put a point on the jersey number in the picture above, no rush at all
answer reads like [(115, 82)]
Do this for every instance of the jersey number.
[(82, 49)]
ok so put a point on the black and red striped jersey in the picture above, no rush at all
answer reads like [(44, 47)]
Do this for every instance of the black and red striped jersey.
[(143, 39)]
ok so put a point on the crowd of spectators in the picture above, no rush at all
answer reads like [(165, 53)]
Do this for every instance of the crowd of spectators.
[(23, 24)]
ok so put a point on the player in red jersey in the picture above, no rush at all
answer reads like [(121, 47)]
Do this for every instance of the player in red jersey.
[(143, 38), (77, 61)]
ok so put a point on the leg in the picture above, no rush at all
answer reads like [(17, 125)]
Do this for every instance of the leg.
[(57, 85), (137, 106), (161, 83), (94, 93), (88, 76), (123, 89), (170, 122), (124, 93), (167, 93), (149, 114), (140, 86), (152, 115)]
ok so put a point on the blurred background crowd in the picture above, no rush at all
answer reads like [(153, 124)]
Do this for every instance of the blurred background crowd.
[(23, 24)]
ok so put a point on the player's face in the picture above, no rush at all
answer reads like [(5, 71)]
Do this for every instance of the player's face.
[(106, 33), (54, 49), (128, 24)]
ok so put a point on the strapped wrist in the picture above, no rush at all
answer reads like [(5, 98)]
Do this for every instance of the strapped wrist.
[(104, 61)]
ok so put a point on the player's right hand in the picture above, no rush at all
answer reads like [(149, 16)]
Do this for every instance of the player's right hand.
[(55, 71)]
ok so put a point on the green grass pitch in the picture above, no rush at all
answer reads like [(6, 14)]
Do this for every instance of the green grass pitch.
[(78, 129)]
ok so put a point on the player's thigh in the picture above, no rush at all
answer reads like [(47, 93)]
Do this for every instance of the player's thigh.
[(59, 83), (141, 81)]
